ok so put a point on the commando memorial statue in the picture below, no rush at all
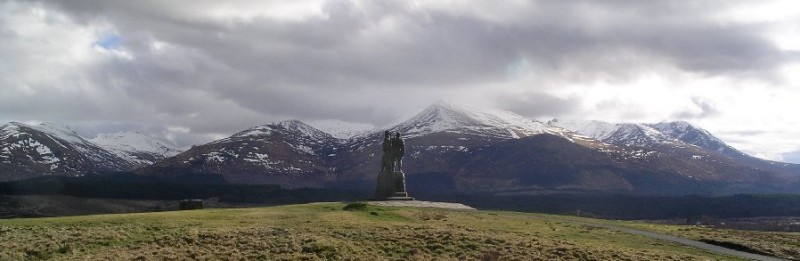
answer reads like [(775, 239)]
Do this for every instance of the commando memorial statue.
[(398, 150), (391, 182)]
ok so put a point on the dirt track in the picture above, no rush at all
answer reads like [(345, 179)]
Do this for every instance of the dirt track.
[(683, 241)]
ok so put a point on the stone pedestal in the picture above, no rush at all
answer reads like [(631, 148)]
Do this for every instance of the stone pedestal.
[(391, 185)]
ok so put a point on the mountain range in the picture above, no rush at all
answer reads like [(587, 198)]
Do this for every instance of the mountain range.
[(28, 151), (451, 148)]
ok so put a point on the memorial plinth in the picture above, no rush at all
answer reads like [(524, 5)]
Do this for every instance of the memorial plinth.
[(391, 185)]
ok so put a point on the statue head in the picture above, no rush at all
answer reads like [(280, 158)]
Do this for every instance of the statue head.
[(397, 135), (386, 134)]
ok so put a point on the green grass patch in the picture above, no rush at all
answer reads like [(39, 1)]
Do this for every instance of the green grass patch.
[(333, 231)]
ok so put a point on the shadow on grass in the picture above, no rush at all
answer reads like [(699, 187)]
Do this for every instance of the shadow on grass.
[(737, 247)]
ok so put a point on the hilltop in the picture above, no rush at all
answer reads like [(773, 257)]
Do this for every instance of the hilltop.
[(327, 231)]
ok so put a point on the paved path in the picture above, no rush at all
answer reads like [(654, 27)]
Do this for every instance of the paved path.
[(420, 204), (680, 240)]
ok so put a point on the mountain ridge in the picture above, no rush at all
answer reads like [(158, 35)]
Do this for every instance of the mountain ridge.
[(448, 147), (461, 148), (50, 149), (135, 147)]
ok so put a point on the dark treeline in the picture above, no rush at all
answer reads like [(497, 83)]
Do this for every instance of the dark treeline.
[(599, 205), (132, 186)]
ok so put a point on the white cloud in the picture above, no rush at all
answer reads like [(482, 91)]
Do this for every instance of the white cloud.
[(208, 68)]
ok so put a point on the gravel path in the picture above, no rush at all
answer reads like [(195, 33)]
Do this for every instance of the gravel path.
[(420, 204), (683, 241)]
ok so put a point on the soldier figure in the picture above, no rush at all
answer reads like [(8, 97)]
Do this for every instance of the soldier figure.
[(391, 182), (386, 160), (398, 150)]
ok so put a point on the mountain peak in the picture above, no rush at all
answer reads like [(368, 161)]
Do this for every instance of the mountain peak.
[(304, 129), (616, 133), (591, 128), (133, 142), (691, 134), (447, 116), (342, 129), (55, 130), (295, 127), (676, 125), (677, 129)]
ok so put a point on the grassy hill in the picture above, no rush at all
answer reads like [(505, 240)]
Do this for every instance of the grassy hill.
[(327, 231)]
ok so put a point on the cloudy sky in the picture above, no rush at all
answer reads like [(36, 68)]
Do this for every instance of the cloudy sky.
[(195, 70)]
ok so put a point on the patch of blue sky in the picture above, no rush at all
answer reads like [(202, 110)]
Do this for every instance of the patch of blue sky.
[(109, 41)]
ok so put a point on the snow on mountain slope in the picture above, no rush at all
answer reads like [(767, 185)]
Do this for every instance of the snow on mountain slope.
[(288, 153), (673, 138), (691, 134), (13, 138), (465, 119), (70, 138), (630, 134), (28, 150), (590, 128), (61, 131), (45, 149), (69, 135), (295, 127), (621, 134), (135, 147), (636, 134), (341, 129)]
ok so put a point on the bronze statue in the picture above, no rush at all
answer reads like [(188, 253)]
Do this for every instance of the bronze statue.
[(398, 150), (386, 160), (391, 182)]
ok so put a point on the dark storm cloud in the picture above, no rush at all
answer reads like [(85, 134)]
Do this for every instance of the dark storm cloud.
[(704, 108), (362, 62), (347, 49), (539, 105)]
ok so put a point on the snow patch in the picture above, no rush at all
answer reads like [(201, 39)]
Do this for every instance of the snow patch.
[(131, 145), (451, 117), (342, 129)]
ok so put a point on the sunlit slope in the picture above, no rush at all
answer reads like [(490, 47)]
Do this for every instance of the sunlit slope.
[(326, 231)]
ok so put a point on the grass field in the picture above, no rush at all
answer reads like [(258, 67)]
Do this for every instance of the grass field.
[(326, 231), (778, 244)]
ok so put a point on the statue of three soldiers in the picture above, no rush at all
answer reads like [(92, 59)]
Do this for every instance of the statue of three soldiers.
[(393, 151)]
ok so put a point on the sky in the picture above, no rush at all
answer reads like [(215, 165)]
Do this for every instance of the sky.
[(192, 71)]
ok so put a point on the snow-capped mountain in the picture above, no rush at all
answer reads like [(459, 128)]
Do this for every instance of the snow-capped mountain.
[(449, 147), (452, 147), (135, 147), (303, 133), (464, 119), (694, 135), (48, 149), (677, 134), (28, 150), (620, 134), (289, 153), (341, 129), (688, 133)]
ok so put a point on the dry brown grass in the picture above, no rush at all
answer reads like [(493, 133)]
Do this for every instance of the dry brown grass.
[(780, 244), (326, 232)]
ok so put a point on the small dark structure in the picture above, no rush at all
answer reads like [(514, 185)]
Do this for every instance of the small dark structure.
[(391, 182), (188, 204)]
